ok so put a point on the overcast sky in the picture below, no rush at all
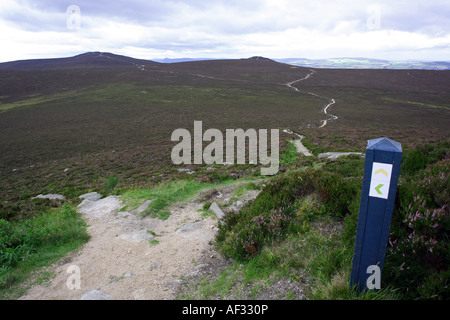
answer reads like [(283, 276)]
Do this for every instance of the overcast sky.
[(153, 29)]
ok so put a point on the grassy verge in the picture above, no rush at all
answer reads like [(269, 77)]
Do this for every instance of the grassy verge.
[(28, 246), (167, 193)]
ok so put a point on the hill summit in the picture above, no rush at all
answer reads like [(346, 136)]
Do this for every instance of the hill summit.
[(259, 58), (88, 59)]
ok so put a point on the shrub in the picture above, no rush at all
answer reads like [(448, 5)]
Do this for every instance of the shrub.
[(414, 161), (420, 247), (284, 207), (417, 159), (338, 193), (418, 253)]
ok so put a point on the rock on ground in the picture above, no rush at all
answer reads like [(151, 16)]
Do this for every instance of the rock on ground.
[(50, 196), (92, 196), (143, 206), (95, 295), (137, 236), (99, 207), (215, 208)]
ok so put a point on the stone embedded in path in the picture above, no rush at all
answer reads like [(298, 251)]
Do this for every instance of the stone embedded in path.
[(190, 227), (195, 230), (95, 295), (155, 265), (143, 206), (197, 270), (50, 196), (99, 207), (137, 236), (215, 208)]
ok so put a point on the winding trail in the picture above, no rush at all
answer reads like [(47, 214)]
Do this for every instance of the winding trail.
[(298, 144), (331, 101), (333, 117)]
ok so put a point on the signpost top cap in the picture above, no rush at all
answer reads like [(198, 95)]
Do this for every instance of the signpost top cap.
[(384, 144)]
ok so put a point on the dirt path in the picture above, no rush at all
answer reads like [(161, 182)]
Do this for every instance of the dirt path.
[(123, 261), (325, 108), (298, 143)]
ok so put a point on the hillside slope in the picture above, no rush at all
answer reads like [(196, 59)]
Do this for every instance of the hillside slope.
[(88, 59)]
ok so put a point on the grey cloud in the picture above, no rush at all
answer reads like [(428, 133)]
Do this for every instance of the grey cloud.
[(416, 16), (239, 17), (221, 26)]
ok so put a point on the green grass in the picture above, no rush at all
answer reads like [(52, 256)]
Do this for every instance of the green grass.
[(37, 99), (28, 246), (242, 190), (111, 184), (164, 195), (289, 155), (421, 104)]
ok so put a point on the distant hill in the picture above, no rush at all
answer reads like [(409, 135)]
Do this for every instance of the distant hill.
[(176, 60), (106, 59), (365, 63), (341, 63), (89, 59)]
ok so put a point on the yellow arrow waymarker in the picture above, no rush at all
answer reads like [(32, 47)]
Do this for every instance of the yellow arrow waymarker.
[(381, 171)]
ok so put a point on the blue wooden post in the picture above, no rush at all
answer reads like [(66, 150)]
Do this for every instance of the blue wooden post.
[(381, 171)]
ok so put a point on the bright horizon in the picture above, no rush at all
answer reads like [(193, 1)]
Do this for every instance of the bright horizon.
[(154, 30)]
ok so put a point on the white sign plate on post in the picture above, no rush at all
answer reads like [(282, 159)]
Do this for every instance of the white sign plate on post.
[(380, 180)]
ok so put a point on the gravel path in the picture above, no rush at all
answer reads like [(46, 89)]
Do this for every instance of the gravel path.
[(123, 261)]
